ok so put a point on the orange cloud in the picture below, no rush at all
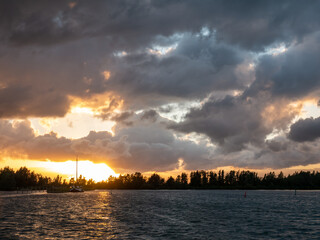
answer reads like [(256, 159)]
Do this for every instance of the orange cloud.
[(106, 75), (279, 114), (100, 105)]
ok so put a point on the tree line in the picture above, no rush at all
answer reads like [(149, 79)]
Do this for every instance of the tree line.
[(24, 178), (215, 180)]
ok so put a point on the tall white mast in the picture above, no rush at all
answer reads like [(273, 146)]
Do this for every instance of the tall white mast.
[(77, 169)]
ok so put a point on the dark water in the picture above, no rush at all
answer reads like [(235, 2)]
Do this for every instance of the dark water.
[(161, 215)]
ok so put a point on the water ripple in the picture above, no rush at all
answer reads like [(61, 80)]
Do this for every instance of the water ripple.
[(161, 215)]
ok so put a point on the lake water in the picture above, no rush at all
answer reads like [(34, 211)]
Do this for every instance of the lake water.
[(189, 214)]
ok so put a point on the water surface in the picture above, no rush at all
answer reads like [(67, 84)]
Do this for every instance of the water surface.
[(164, 214)]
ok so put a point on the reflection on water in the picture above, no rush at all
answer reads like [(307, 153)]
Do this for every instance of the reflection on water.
[(161, 215)]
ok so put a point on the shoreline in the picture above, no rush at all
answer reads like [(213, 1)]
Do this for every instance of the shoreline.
[(13, 192)]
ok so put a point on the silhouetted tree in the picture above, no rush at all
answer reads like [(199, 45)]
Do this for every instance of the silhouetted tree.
[(21, 177), (57, 181), (230, 178), (195, 179), (204, 178), (81, 181), (213, 181), (7, 179), (170, 183), (178, 180), (72, 182), (137, 180), (184, 179), (155, 181), (221, 177), (269, 180)]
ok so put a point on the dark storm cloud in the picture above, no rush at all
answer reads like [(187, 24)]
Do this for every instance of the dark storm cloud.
[(38, 81), (305, 130), (277, 146), (231, 122), (277, 153), (121, 116), (150, 115), (196, 67), (241, 124), (234, 123), (253, 24), (281, 152), (293, 74), (59, 49), (25, 101)]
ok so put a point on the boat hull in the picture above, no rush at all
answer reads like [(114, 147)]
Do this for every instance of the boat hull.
[(76, 189)]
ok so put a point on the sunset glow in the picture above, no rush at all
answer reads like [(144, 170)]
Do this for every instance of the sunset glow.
[(140, 92), (96, 171), (89, 170), (151, 119)]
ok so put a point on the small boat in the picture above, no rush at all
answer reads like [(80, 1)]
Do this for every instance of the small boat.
[(76, 188)]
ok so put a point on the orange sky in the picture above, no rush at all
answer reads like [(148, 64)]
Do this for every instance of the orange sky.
[(101, 171), (80, 116), (153, 93)]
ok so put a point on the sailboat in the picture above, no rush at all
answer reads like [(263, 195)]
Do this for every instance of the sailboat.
[(76, 188)]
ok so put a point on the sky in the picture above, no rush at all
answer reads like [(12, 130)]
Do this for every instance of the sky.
[(159, 86)]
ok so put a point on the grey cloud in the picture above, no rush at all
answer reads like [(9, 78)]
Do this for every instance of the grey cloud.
[(252, 24), (236, 123), (140, 147), (277, 146), (121, 117), (51, 51), (288, 154), (195, 68), (277, 153), (11, 132), (150, 115), (126, 23), (231, 122), (293, 74), (305, 130), (299, 73), (153, 144), (149, 146), (33, 78), (107, 112), (39, 81), (25, 101)]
